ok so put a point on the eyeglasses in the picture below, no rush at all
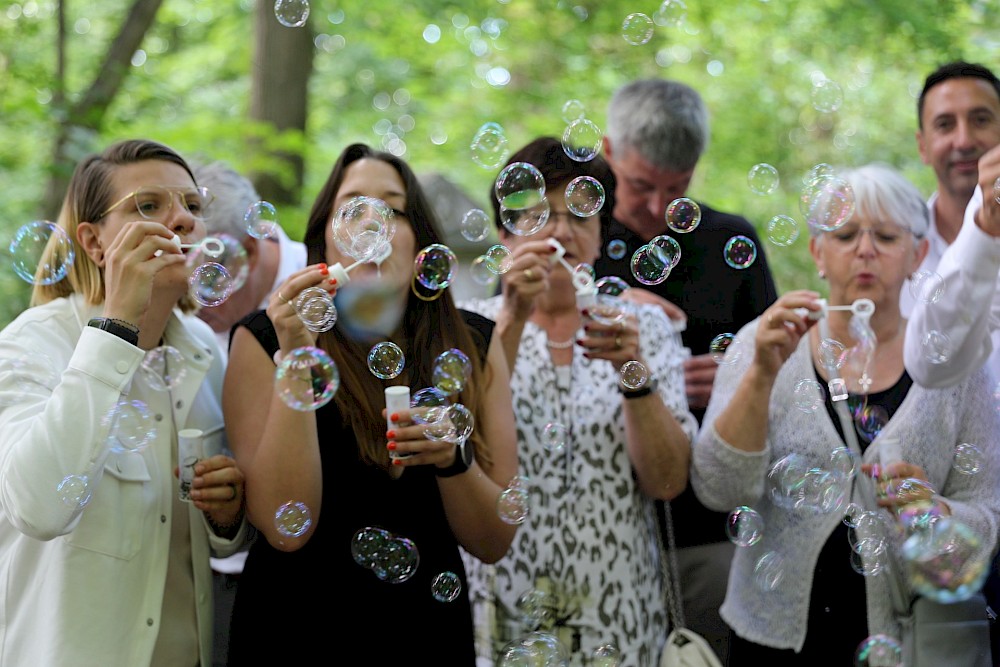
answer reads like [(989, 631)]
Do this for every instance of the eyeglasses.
[(887, 239), (154, 202)]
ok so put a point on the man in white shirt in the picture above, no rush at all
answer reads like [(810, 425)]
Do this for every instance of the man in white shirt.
[(269, 262)]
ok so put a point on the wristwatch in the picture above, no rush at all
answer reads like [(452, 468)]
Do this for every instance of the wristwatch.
[(127, 332), (644, 390), (463, 461)]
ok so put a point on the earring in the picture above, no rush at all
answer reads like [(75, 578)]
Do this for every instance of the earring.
[(822, 274)]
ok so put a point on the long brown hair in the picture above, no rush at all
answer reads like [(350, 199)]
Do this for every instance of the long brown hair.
[(428, 327), (87, 197)]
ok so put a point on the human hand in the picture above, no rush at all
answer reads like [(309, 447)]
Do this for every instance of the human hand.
[(140, 251), (217, 490), (699, 378), (639, 295), (892, 486), (988, 217), (781, 327), (617, 343), (288, 325), (409, 446), (527, 278)]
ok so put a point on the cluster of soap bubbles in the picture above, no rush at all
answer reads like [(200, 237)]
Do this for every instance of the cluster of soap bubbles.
[(514, 503), (306, 379), (652, 263), (392, 558)]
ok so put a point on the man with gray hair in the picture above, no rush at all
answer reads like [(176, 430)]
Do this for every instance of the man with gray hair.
[(656, 132), (269, 262)]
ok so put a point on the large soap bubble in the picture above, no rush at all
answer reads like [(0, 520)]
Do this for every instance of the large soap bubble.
[(307, 379), (41, 253)]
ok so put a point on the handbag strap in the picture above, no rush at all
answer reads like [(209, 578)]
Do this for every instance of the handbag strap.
[(671, 571)]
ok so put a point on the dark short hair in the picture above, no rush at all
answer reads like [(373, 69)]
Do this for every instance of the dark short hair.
[(955, 70), (547, 154)]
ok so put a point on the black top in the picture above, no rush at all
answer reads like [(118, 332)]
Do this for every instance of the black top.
[(716, 298), (290, 604)]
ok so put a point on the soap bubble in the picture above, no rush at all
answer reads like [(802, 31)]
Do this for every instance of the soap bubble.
[(879, 651), (554, 437), (525, 222), (306, 379), (429, 406), (261, 220), (666, 249), (513, 505), (616, 249), (233, 258), (362, 226), (210, 284), (367, 545), (683, 215), (583, 276), (452, 369), (637, 29), (926, 287), (740, 252), (582, 139), (606, 655), (843, 461), (315, 307), (498, 259), (649, 267), (27, 250), (573, 110), (400, 560), (386, 360), (292, 519), (130, 426), (870, 421), (519, 186), (633, 374), (481, 274), (489, 146), (945, 561), (936, 347), (584, 196), (516, 655), (475, 225), (744, 526), (827, 96), (163, 367), (763, 179), (720, 346), (446, 586), (827, 202), (670, 13), (74, 491), (607, 309), (809, 395), (434, 266), (536, 608), (291, 13), (831, 352), (968, 459), (611, 285), (548, 648), (769, 571), (782, 230)]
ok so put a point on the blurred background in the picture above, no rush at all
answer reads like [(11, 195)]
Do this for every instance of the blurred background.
[(788, 83)]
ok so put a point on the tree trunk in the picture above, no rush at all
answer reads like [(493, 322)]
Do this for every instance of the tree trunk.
[(283, 63), (85, 117)]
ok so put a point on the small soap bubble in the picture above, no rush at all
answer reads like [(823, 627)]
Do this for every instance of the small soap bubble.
[(851, 514), (429, 406), (461, 422), (827, 96), (666, 249), (637, 29), (548, 647), (581, 140), (554, 437), (870, 421), (809, 395), (573, 110), (606, 655), (536, 608), (74, 491), (612, 286), (670, 13), (498, 259), (306, 379), (475, 225), (489, 147), (512, 506), (583, 276), (210, 284), (740, 252), (607, 309), (261, 220), (769, 571), (683, 215), (163, 367), (130, 426), (763, 179), (720, 346), (968, 459), (616, 249), (831, 352), (525, 222), (452, 369), (233, 258), (584, 196), (936, 347), (519, 186), (926, 287), (817, 172), (827, 202), (481, 274), (367, 545), (879, 651), (782, 230), (386, 360), (434, 266), (649, 267), (315, 307), (291, 13), (514, 654), (292, 519), (400, 560), (28, 248), (744, 526), (634, 375), (446, 586), (843, 461)]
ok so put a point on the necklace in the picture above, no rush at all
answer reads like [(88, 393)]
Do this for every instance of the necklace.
[(560, 344)]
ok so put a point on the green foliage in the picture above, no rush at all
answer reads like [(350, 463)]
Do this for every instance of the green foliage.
[(376, 75)]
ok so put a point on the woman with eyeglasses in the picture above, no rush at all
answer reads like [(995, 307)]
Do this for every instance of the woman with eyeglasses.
[(102, 563), (808, 588), (595, 451)]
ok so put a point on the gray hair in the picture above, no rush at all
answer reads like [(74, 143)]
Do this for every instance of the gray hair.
[(665, 121), (881, 192), (234, 194)]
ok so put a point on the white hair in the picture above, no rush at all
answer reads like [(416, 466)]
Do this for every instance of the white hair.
[(234, 194), (881, 192)]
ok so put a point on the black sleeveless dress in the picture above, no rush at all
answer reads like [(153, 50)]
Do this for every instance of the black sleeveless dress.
[(318, 601)]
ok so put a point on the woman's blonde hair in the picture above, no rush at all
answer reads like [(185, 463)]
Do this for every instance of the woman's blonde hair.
[(87, 199)]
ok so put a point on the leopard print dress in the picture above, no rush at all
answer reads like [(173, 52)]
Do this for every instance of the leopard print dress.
[(584, 565)]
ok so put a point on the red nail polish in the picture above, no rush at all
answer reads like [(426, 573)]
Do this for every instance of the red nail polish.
[(333, 281), (586, 313), (394, 417), (390, 434), (579, 341), (322, 266), (397, 462), (391, 446), (324, 271)]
